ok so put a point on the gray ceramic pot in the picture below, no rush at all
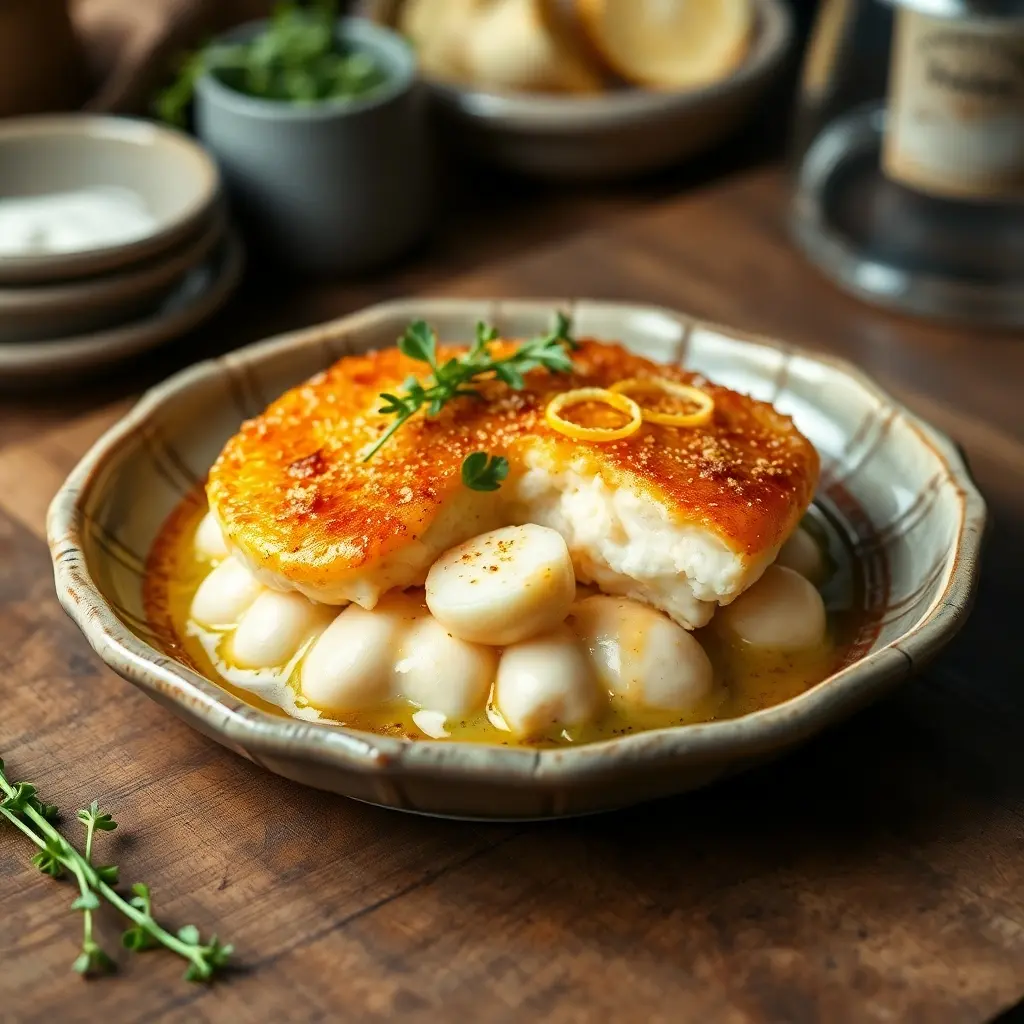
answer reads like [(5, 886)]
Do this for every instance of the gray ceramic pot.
[(333, 187)]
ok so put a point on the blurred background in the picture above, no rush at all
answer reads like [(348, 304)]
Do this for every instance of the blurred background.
[(337, 143), (118, 52)]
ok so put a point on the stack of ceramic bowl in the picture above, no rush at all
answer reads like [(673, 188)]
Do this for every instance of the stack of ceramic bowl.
[(113, 239)]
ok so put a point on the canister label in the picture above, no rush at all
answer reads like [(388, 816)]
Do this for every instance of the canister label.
[(955, 123)]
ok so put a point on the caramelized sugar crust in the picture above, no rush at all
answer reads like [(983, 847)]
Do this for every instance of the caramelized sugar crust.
[(291, 489)]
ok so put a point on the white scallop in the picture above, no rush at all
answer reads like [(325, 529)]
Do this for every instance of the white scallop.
[(351, 665), (209, 538), (641, 655), (546, 684), (225, 594), (274, 627), (802, 554), (782, 611), (503, 586), (440, 672)]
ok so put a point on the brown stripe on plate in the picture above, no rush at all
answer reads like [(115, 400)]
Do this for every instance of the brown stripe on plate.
[(682, 352), (335, 346), (243, 398), (139, 626), (907, 519), (850, 515), (781, 376), (169, 465), (121, 553), (839, 470), (897, 610)]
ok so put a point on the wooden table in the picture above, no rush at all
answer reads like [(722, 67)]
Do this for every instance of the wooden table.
[(875, 875)]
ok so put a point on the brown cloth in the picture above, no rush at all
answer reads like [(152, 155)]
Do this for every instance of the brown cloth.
[(131, 45), (111, 56)]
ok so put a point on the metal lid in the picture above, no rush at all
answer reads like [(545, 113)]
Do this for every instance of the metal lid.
[(974, 9)]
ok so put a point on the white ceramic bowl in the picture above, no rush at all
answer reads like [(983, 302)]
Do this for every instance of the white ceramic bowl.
[(177, 181), (897, 487)]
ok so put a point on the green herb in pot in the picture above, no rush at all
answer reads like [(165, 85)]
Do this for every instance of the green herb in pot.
[(297, 59)]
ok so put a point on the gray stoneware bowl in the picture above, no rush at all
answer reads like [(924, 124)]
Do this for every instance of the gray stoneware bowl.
[(331, 187), (897, 487), (621, 132)]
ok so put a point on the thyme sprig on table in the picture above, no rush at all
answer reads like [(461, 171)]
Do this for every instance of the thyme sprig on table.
[(57, 857), (454, 378)]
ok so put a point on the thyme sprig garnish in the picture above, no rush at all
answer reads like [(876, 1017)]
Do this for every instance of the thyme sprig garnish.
[(57, 857), (455, 377)]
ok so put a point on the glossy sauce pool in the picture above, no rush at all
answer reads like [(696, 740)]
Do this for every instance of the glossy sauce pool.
[(747, 679)]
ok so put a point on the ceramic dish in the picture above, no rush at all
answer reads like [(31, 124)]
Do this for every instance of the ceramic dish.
[(177, 183), (896, 487), (620, 132), (38, 312), (198, 295)]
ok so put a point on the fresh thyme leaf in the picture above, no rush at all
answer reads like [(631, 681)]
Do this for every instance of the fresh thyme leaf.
[(97, 818), (49, 859), (392, 404), (419, 342), (213, 956), (49, 811), (453, 378), (510, 375), (218, 953), (172, 104), (485, 334), (92, 961), (109, 873), (20, 799), (137, 939), (87, 901), (483, 472)]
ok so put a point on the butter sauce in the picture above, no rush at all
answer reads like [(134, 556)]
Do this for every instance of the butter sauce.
[(747, 679)]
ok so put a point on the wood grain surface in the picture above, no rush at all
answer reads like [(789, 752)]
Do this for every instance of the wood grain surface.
[(875, 875)]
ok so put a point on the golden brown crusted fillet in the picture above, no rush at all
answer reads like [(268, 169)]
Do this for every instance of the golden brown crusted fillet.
[(294, 496)]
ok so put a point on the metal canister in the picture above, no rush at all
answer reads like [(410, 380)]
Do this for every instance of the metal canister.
[(909, 155)]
